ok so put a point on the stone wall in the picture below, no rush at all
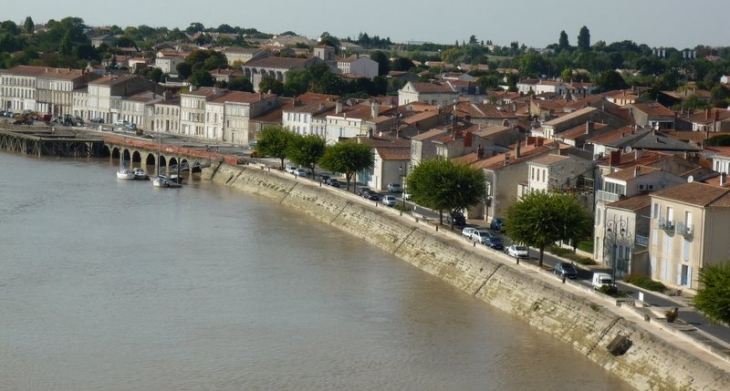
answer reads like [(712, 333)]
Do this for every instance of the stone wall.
[(639, 357)]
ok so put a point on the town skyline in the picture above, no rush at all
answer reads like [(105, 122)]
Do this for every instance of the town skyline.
[(654, 23)]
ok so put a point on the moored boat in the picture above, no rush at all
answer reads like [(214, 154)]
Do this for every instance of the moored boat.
[(140, 173)]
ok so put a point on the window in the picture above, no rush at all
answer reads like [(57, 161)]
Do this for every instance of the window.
[(670, 214), (688, 220)]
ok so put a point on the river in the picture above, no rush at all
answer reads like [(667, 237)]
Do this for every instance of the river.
[(110, 285)]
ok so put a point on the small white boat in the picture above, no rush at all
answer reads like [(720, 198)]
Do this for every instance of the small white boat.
[(139, 174), (163, 181), (124, 172)]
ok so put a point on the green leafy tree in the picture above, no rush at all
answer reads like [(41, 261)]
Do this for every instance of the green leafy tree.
[(610, 81), (275, 141), (382, 60), (566, 75), (563, 41), (28, 25), (184, 70), (240, 83), (306, 151), (584, 39), (297, 82), (347, 158), (202, 78), (713, 295), (540, 219), (271, 85), (444, 186)]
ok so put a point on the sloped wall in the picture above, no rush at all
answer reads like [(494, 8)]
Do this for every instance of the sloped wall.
[(648, 364)]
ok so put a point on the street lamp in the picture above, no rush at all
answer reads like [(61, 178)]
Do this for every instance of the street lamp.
[(616, 239), (404, 169)]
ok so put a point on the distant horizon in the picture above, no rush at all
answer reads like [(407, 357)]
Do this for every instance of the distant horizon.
[(657, 24)]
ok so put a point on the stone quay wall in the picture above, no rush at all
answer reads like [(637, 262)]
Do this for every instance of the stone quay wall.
[(606, 337)]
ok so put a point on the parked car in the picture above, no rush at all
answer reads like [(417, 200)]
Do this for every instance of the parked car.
[(290, 168), (481, 235), (601, 279), (97, 120), (497, 224), (518, 251), (468, 231), (324, 178), (373, 196), (333, 182), (458, 219), (565, 269), (495, 242), (131, 126), (394, 187), (300, 172), (389, 200), (120, 122), (363, 191)]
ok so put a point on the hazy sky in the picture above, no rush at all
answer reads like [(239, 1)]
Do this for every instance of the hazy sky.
[(670, 23)]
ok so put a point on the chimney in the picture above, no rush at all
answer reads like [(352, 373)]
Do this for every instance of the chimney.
[(374, 110), (589, 127), (517, 150), (614, 158), (338, 107), (723, 179), (506, 159), (480, 152), (637, 171)]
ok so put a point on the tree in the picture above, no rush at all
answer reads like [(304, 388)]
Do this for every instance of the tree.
[(306, 151), (566, 75), (611, 81), (347, 158), (28, 25), (202, 78), (563, 41), (383, 62), (271, 85), (584, 39), (274, 141), (240, 83), (540, 219), (713, 295), (444, 186)]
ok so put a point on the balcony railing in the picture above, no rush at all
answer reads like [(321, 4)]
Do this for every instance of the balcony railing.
[(641, 240), (666, 225), (684, 229), (602, 195)]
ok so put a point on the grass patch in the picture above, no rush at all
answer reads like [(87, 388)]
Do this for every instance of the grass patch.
[(569, 254), (586, 245), (645, 282)]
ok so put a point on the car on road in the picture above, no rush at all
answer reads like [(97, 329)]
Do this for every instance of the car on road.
[(373, 196), (458, 219), (601, 279), (300, 172), (290, 168), (324, 178), (497, 224), (468, 231), (120, 122), (389, 200), (333, 182), (518, 251), (565, 269), (363, 191), (495, 242), (394, 187), (481, 235)]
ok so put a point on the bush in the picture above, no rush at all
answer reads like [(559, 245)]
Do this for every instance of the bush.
[(645, 282), (569, 254)]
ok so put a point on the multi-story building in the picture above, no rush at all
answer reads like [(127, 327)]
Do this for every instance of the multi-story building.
[(437, 94), (308, 118), (55, 89), (166, 116), (243, 55), (193, 110), (348, 122), (274, 68), (105, 96), (689, 225)]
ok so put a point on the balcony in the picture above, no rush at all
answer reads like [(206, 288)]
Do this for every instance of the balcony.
[(684, 229), (602, 195), (666, 225)]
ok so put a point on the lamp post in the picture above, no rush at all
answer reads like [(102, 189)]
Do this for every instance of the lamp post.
[(616, 236), (404, 169)]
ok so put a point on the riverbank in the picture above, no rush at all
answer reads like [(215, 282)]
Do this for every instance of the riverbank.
[(605, 335)]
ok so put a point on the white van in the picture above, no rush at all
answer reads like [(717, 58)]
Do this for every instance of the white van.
[(601, 279)]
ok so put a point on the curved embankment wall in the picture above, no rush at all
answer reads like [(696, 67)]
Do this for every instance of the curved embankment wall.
[(648, 363)]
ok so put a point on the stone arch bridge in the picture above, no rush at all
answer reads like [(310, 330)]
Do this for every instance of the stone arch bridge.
[(139, 152)]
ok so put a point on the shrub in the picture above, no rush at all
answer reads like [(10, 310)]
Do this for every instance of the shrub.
[(645, 282)]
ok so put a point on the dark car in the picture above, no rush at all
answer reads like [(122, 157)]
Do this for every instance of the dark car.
[(333, 182), (363, 191), (324, 178), (497, 224), (565, 269), (458, 219), (494, 242), (373, 196)]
